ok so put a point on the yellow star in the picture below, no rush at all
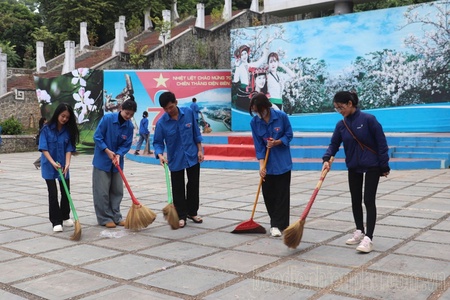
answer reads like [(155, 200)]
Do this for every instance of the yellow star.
[(161, 80)]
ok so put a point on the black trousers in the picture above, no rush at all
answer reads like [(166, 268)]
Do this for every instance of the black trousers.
[(57, 212), (186, 198), (355, 181), (276, 190)]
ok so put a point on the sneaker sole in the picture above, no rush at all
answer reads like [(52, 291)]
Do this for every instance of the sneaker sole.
[(364, 250), (352, 243)]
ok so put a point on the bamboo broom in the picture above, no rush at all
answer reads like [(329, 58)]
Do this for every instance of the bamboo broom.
[(293, 234), (138, 216), (169, 211)]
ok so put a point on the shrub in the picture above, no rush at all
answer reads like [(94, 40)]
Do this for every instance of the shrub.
[(11, 126)]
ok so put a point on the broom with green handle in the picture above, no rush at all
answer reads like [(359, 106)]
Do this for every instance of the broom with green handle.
[(169, 211), (77, 232)]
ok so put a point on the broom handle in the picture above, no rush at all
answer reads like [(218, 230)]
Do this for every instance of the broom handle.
[(169, 193), (261, 179), (135, 201), (74, 212), (316, 191)]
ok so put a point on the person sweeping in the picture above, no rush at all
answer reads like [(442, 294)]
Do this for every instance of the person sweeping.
[(366, 157), (113, 138), (272, 129), (178, 132), (57, 142)]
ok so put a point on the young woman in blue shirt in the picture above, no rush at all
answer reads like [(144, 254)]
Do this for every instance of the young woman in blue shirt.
[(366, 157), (177, 131), (57, 143), (113, 138), (272, 129)]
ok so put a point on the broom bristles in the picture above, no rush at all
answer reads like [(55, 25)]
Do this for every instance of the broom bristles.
[(139, 217), (293, 234), (76, 236), (171, 215)]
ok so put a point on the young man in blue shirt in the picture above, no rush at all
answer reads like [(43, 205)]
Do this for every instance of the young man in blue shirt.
[(178, 131)]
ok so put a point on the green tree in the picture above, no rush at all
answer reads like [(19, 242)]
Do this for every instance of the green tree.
[(386, 4), (16, 24), (12, 56)]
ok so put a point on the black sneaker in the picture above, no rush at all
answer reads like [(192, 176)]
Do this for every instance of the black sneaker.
[(136, 153)]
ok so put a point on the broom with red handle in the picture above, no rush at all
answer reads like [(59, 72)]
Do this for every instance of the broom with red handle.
[(138, 216), (293, 234), (251, 226)]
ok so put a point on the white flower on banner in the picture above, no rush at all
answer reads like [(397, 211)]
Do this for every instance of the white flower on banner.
[(78, 75)]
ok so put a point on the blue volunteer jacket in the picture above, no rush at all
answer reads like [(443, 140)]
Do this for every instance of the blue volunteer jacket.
[(278, 128), (180, 138), (143, 128), (368, 131), (57, 143), (117, 138)]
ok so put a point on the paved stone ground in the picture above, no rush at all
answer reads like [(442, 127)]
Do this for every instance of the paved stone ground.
[(411, 259)]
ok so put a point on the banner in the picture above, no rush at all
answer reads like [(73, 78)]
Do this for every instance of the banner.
[(395, 59), (211, 88)]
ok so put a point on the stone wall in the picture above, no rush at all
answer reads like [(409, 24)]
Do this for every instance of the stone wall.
[(23, 105), (18, 143)]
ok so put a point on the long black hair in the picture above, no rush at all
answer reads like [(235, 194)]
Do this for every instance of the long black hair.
[(71, 125)]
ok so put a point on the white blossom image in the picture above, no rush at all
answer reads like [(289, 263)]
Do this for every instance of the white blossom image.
[(84, 105), (43, 96), (78, 75)]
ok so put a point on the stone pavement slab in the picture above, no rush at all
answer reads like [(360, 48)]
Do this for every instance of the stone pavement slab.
[(410, 259)]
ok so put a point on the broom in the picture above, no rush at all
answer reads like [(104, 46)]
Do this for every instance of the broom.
[(169, 211), (138, 216), (76, 236), (251, 226), (293, 234)]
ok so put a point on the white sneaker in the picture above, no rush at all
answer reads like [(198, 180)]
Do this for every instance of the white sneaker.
[(366, 245), (68, 223), (356, 239), (57, 228), (275, 232)]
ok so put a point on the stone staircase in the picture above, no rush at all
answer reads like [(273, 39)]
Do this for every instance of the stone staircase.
[(235, 151)]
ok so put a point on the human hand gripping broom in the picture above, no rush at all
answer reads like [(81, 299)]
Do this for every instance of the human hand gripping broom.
[(76, 236), (293, 234), (169, 211), (251, 226), (138, 216)]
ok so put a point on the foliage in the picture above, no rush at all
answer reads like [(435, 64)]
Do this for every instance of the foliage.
[(11, 126), (137, 54), (16, 24), (216, 15), (386, 4), (29, 60), (53, 43), (13, 58)]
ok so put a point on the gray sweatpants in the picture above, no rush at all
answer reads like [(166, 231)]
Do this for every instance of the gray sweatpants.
[(107, 189)]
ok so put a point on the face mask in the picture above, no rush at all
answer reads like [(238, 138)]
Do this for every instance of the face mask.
[(264, 114)]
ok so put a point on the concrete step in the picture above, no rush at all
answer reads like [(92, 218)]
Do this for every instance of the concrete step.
[(236, 151)]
